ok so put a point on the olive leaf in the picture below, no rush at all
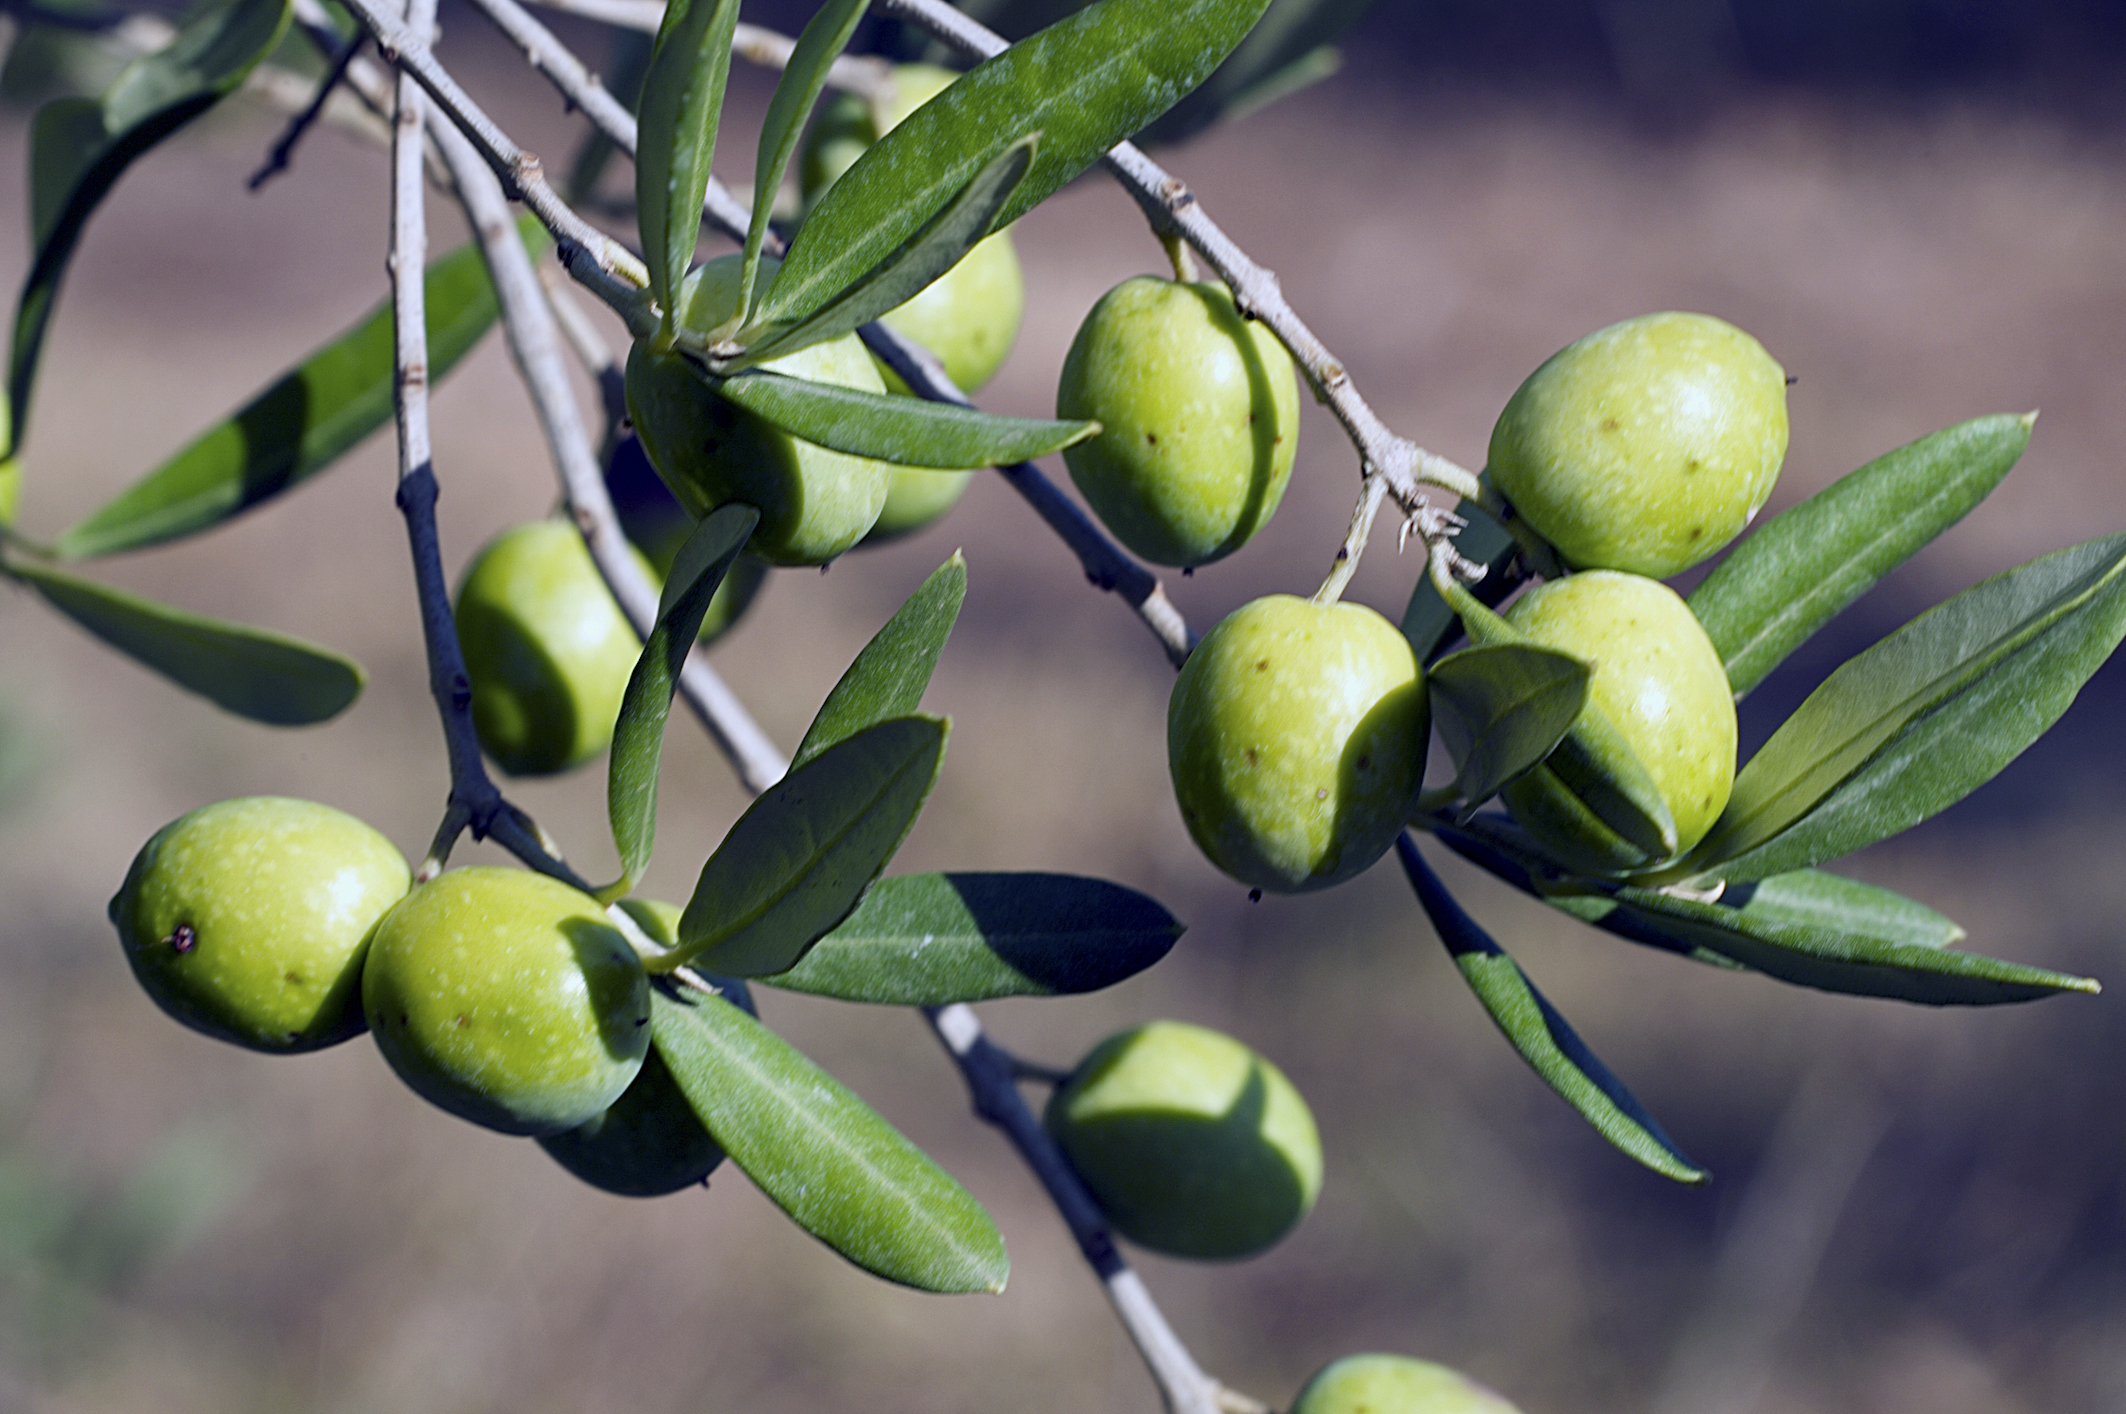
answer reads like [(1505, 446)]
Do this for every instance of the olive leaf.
[(682, 100), (822, 1155), (638, 732), (1543, 1038), (1429, 621), (1501, 708), (299, 424), (934, 939), (904, 431), (254, 672), (1804, 565), (1084, 83), (79, 147), (1291, 47), (1924, 717), (888, 677), (907, 271), (801, 856), (803, 78)]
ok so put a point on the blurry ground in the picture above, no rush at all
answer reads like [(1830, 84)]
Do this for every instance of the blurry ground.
[(1912, 1212)]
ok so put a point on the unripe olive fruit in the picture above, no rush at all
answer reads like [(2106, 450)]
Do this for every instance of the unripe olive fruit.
[(507, 998), (1296, 736), (546, 648), (1646, 446), (248, 919), (1199, 417), (657, 525), (1659, 680), (813, 503), (1192, 1144), (1394, 1384), (648, 1142)]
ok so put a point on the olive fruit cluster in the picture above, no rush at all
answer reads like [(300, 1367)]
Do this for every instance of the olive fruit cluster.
[(1199, 415), (505, 997), (1191, 1143)]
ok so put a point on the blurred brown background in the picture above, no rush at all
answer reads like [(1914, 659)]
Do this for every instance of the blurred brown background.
[(1912, 1212)]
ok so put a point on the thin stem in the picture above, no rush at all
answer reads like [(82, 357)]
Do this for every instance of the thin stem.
[(568, 73), (1371, 492), (277, 160), (990, 1073), (535, 344), (756, 45), (1105, 565), (588, 345)]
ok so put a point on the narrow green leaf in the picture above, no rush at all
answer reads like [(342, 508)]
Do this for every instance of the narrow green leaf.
[(298, 425), (887, 678), (933, 939), (682, 99), (801, 856), (1535, 1029), (1812, 898), (904, 431), (638, 734), (1501, 708), (822, 1155), (803, 78), (1924, 717), (1287, 50), (1084, 83), (1804, 565), (909, 270), (1429, 622), (253, 672), (79, 147)]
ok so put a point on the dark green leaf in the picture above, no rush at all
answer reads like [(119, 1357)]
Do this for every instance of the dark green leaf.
[(1804, 565), (822, 1155), (801, 856), (638, 734), (79, 147), (253, 672), (905, 431), (1924, 717), (682, 99), (888, 677), (933, 939), (1429, 622), (823, 40), (1535, 1029), (1084, 84), (908, 271), (300, 424), (1501, 708)]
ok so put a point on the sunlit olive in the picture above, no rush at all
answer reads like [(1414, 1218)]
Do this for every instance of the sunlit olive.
[(1192, 1144), (1658, 680), (1394, 1384), (508, 998), (248, 919), (1646, 446), (1296, 738)]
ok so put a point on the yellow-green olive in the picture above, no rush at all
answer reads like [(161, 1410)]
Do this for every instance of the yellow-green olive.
[(507, 998), (1659, 681), (1646, 446), (1296, 737), (248, 919), (1394, 1384), (1199, 417), (1192, 1144)]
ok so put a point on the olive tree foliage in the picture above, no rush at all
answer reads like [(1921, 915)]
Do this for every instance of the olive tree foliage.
[(794, 897)]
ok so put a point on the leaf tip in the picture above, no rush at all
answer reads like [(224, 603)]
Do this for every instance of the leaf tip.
[(2029, 419)]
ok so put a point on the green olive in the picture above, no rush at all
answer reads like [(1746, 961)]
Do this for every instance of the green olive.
[(813, 503), (1192, 1144), (649, 1141), (508, 999), (1646, 446), (657, 525), (1296, 737), (1658, 679), (1394, 1384), (248, 919), (1199, 417), (547, 649)]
